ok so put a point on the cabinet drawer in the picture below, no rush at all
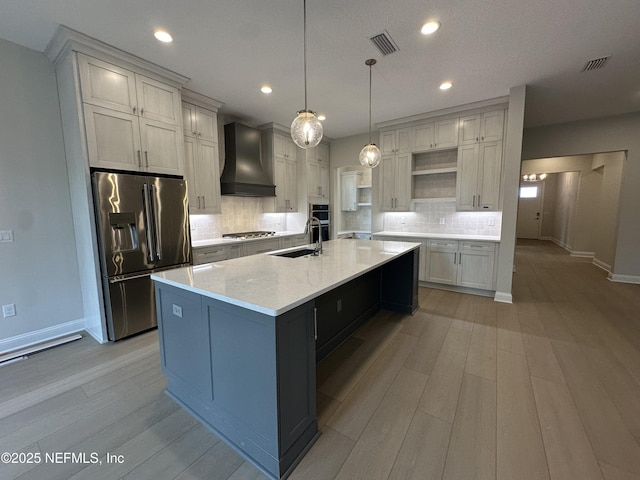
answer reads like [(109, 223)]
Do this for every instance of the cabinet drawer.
[(442, 244), (208, 255), (478, 246)]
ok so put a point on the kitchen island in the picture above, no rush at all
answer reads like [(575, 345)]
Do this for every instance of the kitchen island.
[(240, 339)]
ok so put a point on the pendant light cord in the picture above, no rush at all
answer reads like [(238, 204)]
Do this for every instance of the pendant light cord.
[(304, 14), (370, 104)]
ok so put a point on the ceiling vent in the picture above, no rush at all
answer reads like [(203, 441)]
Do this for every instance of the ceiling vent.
[(595, 64), (384, 43)]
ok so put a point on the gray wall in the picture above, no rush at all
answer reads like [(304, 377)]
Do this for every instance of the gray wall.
[(40, 271), (610, 134)]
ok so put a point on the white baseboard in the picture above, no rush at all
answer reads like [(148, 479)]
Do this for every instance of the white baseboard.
[(503, 297), (574, 253), (39, 336), (616, 277), (604, 266)]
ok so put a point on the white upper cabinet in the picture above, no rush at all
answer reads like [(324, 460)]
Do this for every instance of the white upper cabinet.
[(479, 173), (198, 122), (132, 121), (318, 173), (446, 134), (482, 127), (424, 137), (348, 191), (110, 86), (395, 182), (280, 157), (395, 141)]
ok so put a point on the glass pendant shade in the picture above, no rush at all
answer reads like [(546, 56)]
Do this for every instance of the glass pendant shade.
[(370, 156), (306, 129)]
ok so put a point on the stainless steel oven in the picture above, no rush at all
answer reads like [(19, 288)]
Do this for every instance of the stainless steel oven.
[(322, 213)]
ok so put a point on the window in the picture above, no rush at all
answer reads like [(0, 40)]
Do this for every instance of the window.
[(528, 192)]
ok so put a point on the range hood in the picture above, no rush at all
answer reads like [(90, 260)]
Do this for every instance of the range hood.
[(243, 175)]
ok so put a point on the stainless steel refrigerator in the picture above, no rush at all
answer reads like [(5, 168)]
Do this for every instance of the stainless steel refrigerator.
[(143, 227)]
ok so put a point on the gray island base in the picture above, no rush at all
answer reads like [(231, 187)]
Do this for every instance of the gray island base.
[(240, 339)]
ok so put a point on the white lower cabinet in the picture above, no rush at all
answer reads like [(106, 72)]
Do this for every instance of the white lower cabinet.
[(464, 263), (295, 240), (215, 253)]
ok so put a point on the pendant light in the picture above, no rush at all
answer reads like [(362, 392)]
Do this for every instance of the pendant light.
[(306, 129), (370, 154)]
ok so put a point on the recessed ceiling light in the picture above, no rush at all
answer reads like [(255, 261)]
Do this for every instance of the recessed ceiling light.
[(430, 27), (266, 89), (322, 117), (163, 36), (446, 85)]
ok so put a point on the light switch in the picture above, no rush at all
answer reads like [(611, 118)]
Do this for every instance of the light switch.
[(6, 236)]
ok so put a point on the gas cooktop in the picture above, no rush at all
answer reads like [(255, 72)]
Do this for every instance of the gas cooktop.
[(245, 235)]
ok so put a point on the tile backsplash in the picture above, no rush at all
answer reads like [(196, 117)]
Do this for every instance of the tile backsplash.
[(428, 217), (239, 214)]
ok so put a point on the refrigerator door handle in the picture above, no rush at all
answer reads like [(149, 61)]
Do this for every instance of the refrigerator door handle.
[(147, 221), (154, 206), (122, 278)]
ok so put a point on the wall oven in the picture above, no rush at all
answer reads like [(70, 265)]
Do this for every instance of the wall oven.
[(322, 213)]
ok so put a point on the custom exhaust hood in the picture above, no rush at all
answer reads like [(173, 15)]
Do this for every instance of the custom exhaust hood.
[(243, 175)]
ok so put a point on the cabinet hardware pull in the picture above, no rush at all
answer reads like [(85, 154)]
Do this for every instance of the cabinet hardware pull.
[(478, 200), (139, 159), (141, 112), (454, 258), (146, 159), (315, 323), (474, 200), (476, 139), (204, 205), (134, 110), (195, 134)]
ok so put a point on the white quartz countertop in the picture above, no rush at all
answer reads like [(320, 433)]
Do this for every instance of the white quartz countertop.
[(452, 236), (231, 241), (273, 285)]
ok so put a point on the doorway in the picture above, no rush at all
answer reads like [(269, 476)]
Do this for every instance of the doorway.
[(530, 202)]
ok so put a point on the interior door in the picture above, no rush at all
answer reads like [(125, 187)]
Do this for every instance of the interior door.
[(529, 210)]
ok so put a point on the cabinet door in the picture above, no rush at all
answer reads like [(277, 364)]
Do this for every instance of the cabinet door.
[(106, 85), (403, 140), (313, 179), (207, 125), (324, 180), (387, 182), (290, 150), (467, 177), (441, 266), (423, 137), (446, 134), (161, 146), (158, 101), (403, 182), (189, 120), (475, 269), (280, 180), (490, 169), (469, 130), (322, 154), (191, 177), (492, 126), (388, 142), (208, 170), (292, 185), (113, 138), (348, 190)]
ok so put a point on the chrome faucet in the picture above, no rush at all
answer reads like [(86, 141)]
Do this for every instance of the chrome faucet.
[(311, 222)]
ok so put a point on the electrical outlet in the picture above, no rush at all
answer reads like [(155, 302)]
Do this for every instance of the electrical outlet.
[(402, 220), (9, 310), (491, 222), (177, 310), (442, 220), (6, 236)]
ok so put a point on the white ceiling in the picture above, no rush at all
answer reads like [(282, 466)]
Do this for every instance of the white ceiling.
[(229, 48)]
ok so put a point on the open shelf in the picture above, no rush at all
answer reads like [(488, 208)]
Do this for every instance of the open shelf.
[(435, 171)]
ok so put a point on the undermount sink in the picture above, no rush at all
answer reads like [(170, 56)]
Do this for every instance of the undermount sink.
[(295, 253)]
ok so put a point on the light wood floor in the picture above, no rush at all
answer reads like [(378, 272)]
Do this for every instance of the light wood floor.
[(546, 388)]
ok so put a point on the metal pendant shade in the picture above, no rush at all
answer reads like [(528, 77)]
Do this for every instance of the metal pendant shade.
[(370, 154), (306, 129)]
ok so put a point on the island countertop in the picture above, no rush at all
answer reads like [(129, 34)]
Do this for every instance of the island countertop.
[(273, 285)]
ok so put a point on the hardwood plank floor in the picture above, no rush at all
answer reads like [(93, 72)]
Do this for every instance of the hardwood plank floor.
[(546, 388)]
